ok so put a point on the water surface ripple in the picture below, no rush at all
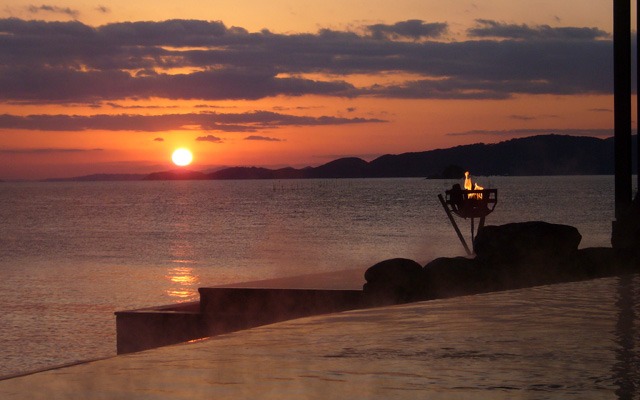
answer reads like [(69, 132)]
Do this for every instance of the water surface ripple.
[(72, 253)]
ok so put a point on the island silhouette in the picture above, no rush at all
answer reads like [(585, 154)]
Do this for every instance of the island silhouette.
[(528, 156)]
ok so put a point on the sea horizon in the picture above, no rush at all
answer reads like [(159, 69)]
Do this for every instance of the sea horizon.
[(577, 155)]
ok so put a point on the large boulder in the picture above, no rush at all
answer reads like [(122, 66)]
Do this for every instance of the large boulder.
[(449, 277), (526, 243), (397, 280)]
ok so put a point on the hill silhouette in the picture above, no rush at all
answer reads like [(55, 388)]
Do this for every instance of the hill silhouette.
[(100, 177), (176, 175), (528, 156), (534, 155)]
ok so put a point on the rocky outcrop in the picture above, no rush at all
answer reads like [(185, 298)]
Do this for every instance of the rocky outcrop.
[(526, 242), (398, 279), (449, 277), (509, 256), (527, 253)]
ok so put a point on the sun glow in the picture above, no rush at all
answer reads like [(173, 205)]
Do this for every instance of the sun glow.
[(182, 157)]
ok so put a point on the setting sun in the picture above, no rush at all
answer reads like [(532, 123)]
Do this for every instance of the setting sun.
[(182, 157)]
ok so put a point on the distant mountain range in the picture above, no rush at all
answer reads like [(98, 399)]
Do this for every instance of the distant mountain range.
[(100, 177), (529, 156)]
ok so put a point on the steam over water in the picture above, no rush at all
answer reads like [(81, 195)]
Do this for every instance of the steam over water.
[(73, 253)]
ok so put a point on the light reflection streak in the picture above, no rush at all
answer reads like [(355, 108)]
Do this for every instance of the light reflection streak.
[(185, 283), (183, 280)]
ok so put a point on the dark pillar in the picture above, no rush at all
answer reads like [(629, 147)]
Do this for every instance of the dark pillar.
[(625, 231), (622, 103)]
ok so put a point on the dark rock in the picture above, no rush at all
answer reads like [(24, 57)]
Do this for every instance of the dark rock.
[(513, 256), (597, 262), (448, 277), (396, 280), (526, 243)]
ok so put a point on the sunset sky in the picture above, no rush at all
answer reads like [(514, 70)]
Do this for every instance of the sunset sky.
[(116, 86)]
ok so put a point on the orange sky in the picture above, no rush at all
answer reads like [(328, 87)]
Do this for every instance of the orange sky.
[(290, 83)]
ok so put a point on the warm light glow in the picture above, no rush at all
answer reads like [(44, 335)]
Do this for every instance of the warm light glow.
[(468, 185), (478, 187), (46, 133), (182, 157), (184, 282)]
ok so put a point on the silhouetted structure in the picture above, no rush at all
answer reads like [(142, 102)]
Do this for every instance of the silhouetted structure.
[(468, 203), (626, 227)]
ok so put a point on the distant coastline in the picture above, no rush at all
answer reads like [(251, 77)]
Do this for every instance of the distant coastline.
[(529, 156), (100, 177)]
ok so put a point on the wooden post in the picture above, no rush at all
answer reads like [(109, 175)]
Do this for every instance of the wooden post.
[(453, 222), (623, 226), (472, 231)]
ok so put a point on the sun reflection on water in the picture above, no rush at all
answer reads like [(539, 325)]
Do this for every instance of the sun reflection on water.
[(184, 283)]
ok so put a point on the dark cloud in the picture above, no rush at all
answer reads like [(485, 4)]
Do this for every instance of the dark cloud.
[(493, 29), (412, 29), (531, 118), (47, 151), (529, 132), (68, 85), (244, 122), (522, 117), (443, 89), (608, 110), (103, 9), (158, 139), (167, 33), (211, 106), (209, 138), (268, 119), (69, 62), (265, 138), (133, 106), (280, 108), (54, 9)]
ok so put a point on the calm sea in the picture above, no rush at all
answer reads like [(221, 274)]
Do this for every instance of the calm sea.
[(73, 253)]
